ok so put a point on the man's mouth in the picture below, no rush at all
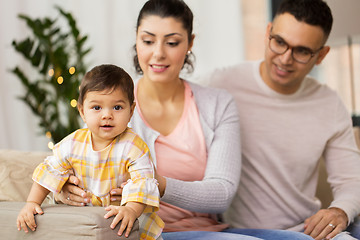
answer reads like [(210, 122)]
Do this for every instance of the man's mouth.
[(282, 69)]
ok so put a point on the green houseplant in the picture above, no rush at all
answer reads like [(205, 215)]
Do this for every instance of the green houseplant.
[(56, 54)]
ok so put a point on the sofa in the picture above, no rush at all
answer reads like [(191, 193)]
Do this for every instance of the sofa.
[(58, 221), (66, 222), (323, 191)]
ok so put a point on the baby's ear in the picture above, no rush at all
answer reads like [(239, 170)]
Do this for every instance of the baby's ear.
[(132, 108), (81, 111)]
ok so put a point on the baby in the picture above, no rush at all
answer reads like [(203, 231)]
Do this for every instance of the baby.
[(102, 156)]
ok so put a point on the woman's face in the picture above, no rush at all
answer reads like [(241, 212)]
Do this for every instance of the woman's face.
[(161, 45)]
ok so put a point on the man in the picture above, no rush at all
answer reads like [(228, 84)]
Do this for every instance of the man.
[(288, 122)]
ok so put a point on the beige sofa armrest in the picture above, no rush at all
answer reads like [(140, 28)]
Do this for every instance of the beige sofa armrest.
[(357, 136), (323, 191), (61, 222)]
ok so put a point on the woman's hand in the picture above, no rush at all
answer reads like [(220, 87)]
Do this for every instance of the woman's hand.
[(162, 183), (116, 193), (72, 194)]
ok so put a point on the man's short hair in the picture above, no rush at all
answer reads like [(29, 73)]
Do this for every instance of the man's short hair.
[(312, 12)]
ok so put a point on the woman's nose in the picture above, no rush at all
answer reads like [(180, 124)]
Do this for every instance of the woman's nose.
[(159, 51)]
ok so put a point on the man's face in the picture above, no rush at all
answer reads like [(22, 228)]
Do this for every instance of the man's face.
[(282, 72)]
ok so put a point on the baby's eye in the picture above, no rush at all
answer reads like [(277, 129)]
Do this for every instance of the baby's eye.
[(96, 108), (117, 107)]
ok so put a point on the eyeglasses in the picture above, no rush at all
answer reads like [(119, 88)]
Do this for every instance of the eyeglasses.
[(299, 54)]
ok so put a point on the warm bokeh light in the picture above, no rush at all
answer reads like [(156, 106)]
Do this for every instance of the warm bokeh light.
[(60, 80), (73, 103), (48, 134), (72, 70), (51, 72), (50, 145)]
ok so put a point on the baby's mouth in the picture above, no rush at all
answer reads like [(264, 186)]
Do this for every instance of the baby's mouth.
[(106, 126)]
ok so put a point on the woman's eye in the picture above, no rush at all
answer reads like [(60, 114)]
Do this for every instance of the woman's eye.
[(147, 42), (96, 108), (173, 44), (118, 107)]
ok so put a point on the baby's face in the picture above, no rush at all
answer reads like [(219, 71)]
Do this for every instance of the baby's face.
[(106, 113)]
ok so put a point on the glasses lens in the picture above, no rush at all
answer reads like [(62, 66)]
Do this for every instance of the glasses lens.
[(278, 46), (301, 55)]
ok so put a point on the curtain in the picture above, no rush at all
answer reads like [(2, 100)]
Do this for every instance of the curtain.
[(110, 26)]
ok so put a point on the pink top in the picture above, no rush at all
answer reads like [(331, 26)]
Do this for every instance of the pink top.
[(182, 157)]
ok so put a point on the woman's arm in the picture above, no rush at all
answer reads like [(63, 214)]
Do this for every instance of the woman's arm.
[(215, 192)]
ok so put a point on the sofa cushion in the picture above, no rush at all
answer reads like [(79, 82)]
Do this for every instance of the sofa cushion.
[(16, 168), (61, 222)]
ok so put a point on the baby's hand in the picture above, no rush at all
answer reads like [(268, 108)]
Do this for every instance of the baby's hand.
[(26, 216), (125, 214)]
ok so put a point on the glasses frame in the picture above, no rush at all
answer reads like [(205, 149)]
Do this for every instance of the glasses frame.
[(312, 53)]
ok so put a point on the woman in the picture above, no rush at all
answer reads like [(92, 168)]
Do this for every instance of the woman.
[(192, 131)]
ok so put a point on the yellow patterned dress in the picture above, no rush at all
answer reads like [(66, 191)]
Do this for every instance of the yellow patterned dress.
[(127, 158)]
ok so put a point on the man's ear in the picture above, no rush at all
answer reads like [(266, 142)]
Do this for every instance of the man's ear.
[(322, 54), (81, 112), (267, 33)]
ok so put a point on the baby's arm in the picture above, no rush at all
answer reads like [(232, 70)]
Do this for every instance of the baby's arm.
[(26, 216), (126, 214)]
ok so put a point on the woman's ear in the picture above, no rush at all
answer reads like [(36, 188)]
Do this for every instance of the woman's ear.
[(191, 43)]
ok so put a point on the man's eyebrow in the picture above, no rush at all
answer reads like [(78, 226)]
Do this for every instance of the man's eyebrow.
[(298, 46)]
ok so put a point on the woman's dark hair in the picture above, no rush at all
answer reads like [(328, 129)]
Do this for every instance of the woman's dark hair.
[(313, 12), (106, 77), (168, 8)]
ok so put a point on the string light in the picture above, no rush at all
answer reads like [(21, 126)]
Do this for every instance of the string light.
[(48, 134), (72, 70), (73, 103), (60, 80), (51, 72), (50, 145)]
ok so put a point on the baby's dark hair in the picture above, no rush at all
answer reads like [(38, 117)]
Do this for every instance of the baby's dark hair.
[(106, 77), (313, 12)]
